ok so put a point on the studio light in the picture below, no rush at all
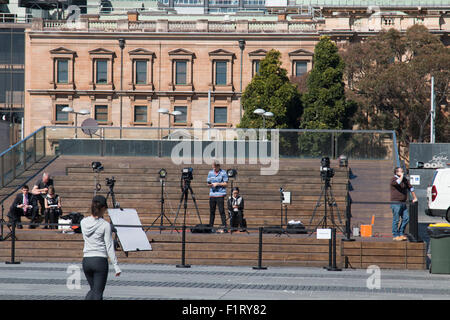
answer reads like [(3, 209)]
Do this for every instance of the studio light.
[(97, 166), (162, 173), (343, 161), (231, 173)]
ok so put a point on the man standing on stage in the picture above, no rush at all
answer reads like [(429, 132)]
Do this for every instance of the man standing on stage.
[(217, 181), (400, 187)]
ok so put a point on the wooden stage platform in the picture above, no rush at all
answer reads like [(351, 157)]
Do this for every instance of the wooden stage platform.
[(138, 186), (227, 249)]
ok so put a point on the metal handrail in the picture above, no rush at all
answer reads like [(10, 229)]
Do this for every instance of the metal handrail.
[(21, 141)]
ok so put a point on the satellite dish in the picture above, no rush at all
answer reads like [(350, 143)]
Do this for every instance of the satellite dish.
[(89, 126)]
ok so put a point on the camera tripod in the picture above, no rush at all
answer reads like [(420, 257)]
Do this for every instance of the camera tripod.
[(110, 184), (162, 214), (329, 202), (186, 188)]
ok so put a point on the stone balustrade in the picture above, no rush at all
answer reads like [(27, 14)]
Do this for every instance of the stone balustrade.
[(361, 24)]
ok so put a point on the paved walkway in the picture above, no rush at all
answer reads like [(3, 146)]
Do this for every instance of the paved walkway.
[(64, 281)]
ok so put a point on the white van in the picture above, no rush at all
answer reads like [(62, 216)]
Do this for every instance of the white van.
[(438, 194)]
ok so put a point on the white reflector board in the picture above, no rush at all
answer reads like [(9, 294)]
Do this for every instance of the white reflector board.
[(131, 238)]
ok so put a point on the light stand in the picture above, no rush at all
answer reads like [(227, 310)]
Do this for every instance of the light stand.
[(162, 176), (231, 173), (282, 206), (97, 167)]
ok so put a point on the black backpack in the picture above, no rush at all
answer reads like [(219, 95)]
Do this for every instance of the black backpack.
[(76, 218)]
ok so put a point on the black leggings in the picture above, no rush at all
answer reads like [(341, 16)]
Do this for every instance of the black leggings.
[(96, 272)]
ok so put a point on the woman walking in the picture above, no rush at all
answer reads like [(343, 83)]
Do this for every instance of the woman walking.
[(98, 246)]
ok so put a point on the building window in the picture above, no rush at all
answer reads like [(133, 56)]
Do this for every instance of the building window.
[(183, 117), (180, 72), (140, 114), (101, 113), (141, 72), (221, 72), (101, 71), (256, 65), (300, 68), (220, 115), (61, 115), (102, 68), (62, 71), (388, 21)]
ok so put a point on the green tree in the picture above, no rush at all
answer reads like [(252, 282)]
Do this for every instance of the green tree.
[(272, 91), (389, 78), (325, 103)]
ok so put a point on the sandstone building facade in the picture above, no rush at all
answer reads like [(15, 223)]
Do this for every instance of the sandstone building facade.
[(198, 66)]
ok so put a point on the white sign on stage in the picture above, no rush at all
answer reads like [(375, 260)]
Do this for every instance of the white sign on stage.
[(324, 234), (131, 238)]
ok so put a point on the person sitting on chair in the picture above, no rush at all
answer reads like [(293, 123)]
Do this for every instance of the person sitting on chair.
[(236, 210), (52, 208), (23, 205)]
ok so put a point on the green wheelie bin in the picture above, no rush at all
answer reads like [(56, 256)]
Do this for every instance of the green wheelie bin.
[(440, 247)]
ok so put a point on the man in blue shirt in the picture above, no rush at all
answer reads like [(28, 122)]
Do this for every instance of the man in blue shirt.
[(217, 181)]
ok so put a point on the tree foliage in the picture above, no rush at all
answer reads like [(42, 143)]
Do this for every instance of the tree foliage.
[(389, 77), (272, 91), (325, 104)]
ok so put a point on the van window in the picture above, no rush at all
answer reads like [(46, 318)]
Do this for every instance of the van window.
[(434, 177)]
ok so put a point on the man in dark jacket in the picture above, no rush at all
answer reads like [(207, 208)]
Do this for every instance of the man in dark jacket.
[(23, 205), (399, 188)]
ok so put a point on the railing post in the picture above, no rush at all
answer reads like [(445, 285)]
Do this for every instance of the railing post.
[(332, 252), (44, 139), (2, 221), (413, 221), (348, 218), (34, 149), (13, 162), (13, 245), (2, 163), (260, 267), (24, 155), (183, 250)]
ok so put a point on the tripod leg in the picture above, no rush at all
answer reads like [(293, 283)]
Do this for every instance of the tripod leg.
[(178, 210), (195, 204), (332, 203), (335, 204), (318, 204)]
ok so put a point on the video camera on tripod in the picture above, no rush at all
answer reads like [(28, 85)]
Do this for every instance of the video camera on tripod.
[(187, 174), (325, 171), (110, 182)]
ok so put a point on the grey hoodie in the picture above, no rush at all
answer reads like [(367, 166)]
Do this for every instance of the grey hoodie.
[(98, 240)]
